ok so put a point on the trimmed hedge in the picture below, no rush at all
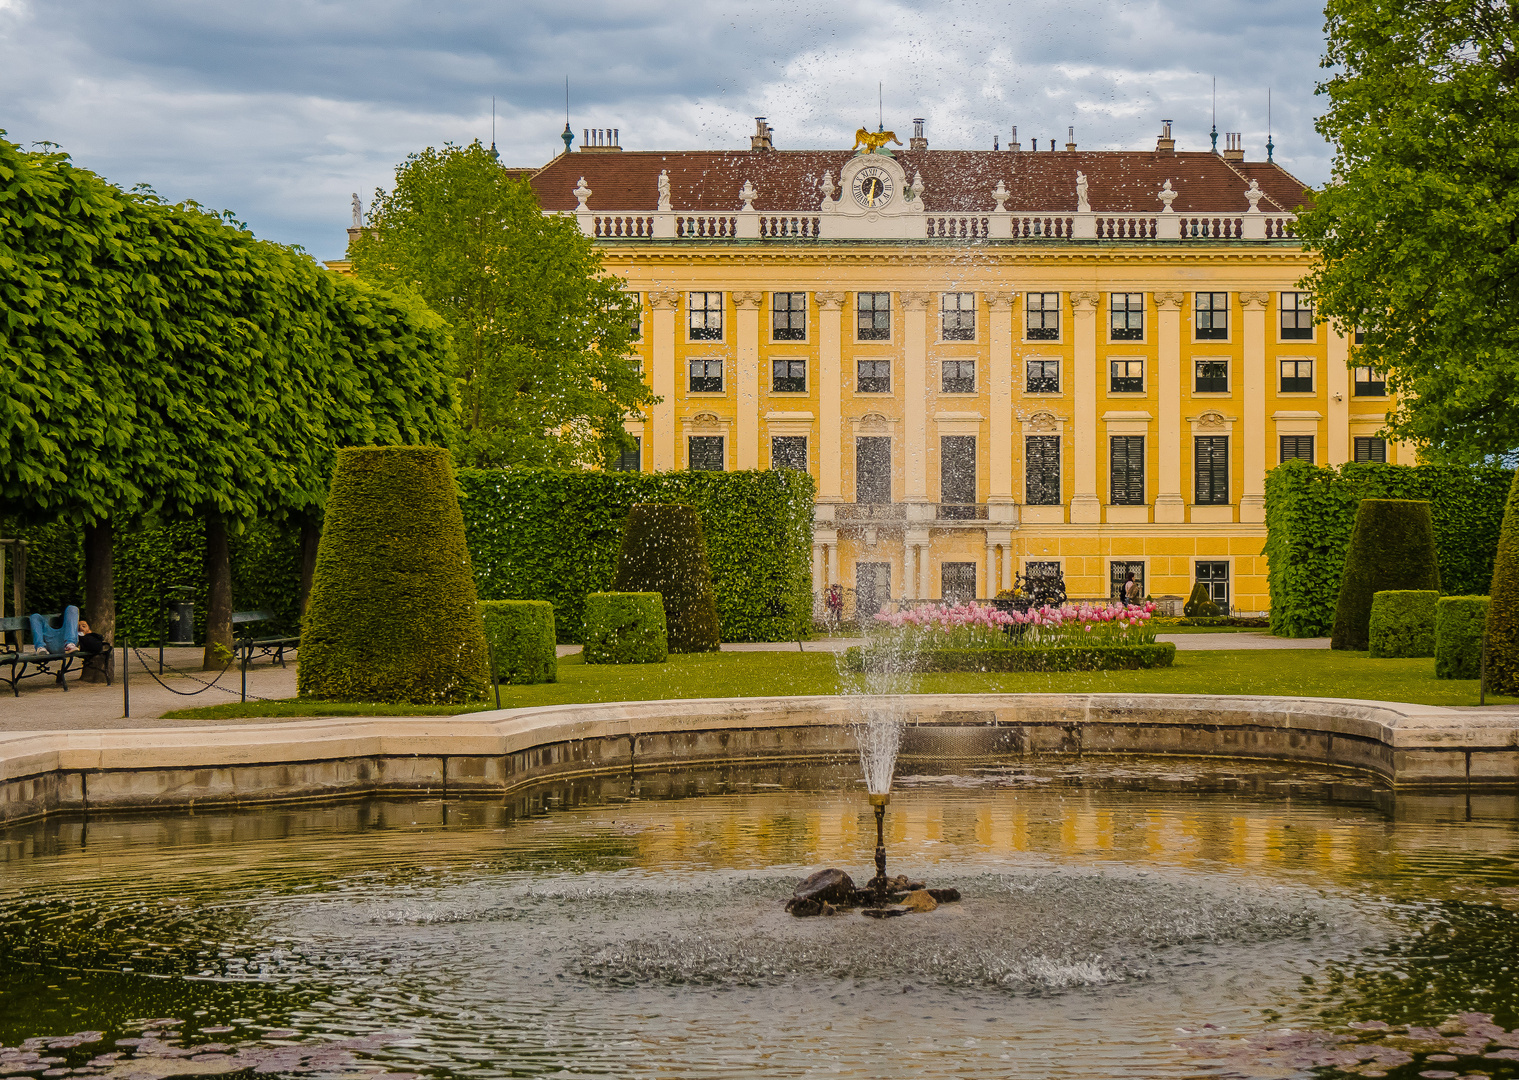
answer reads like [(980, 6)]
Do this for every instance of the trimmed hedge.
[(625, 628), (1310, 514), (1031, 658), (393, 615), (547, 534), (1403, 623), (1503, 609), (1459, 622), (663, 552), (520, 634), (1393, 547), (1200, 604)]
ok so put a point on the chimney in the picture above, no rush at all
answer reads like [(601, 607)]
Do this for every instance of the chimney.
[(918, 141), (600, 141), (1052, 146), (1234, 146), (1013, 143), (1165, 144), (760, 140), (1070, 140)]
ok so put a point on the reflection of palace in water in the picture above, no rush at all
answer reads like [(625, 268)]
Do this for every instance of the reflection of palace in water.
[(1024, 360)]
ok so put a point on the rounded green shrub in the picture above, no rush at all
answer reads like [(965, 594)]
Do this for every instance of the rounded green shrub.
[(1200, 604), (1402, 623), (393, 615), (520, 634), (1503, 606), (1391, 548), (1459, 623), (625, 628), (664, 552)]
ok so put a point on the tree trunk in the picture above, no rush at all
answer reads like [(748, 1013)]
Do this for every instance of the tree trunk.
[(311, 536), (100, 592), (219, 595)]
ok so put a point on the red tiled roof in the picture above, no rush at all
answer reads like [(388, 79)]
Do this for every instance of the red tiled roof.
[(955, 181)]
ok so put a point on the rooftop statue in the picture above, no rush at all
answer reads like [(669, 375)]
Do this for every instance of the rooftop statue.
[(874, 142)]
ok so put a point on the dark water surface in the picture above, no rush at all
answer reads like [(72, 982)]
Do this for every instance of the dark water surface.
[(1136, 920)]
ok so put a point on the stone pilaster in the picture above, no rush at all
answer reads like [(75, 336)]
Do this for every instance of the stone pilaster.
[(746, 324), (1337, 384), (1256, 456), (830, 396), (1170, 503), (662, 450), (1000, 384), (1086, 504), (915, 393)]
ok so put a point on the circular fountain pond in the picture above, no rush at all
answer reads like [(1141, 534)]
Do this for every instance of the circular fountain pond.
[(1125, 919)]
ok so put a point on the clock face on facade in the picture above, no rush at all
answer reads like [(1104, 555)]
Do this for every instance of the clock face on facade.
[(872, 187)]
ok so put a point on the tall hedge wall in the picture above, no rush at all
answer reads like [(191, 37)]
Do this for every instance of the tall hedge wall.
[(1311, 509), (545, 534)]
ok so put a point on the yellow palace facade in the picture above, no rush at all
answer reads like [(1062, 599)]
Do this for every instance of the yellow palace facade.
[(1021, 361)]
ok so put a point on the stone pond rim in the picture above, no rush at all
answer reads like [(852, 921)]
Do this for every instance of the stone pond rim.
[(1407, 747)]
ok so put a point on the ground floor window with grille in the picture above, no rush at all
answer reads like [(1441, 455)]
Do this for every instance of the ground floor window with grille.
[(1297, 446), (630, 460), (788, 452), (1128, 470), (706, 452), (957, 581), (707, 376), (1214, 577), (1048, 570), (1210, 455), (872, 588), (789, 375), (1041, 459), (872, 469), (1118, 574), (1370, 448)]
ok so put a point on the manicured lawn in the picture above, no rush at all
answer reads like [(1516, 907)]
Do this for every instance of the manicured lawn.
[(1288, 672)]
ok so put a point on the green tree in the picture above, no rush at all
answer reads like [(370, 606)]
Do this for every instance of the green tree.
[(541, 333), (1419, 231)]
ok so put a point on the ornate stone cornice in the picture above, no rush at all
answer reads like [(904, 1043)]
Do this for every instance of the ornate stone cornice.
[(1085, 301), (830, 301), (1254, 299), (1169, 301), (668, 300), (1021, 260), (916, 301), (747, 299)]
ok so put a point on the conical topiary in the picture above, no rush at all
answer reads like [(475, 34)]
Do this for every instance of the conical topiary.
[(393, 614), (664, 551), (1391, 547), (1503, 603), (1200, 604)]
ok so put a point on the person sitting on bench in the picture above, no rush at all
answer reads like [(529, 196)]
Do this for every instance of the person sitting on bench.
[(48, 640)]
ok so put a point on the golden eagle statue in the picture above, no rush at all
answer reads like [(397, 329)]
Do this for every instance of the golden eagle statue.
[(874, 140)]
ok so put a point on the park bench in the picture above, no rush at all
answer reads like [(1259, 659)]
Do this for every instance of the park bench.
[(266, 646), (17, 660)]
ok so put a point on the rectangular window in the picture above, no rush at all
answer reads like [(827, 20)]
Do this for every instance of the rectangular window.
[(705, 312), (1211, 316), (707, 376), (873, 314), (1369, 382), (788, 375), (959, 377), (872, 469), (1048, 571), (872, 588), (957, 582), (1118, 576), (1212, 377), (1041, 467), (1297, 376), (788, 452), (1297, 446), (1128, 470), (788, 316), (1043, 377), (1360, 336), (1370, 448), (1128, 377), (635, 332), (706, 452), (1210, 456), (957, 472), (1214, 576), (959, 313), (629, 460), (1042, 320), (1127, 312), (873, 376), (1297, 316)]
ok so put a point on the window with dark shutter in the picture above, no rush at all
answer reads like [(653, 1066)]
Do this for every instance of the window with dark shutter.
[(1297, 446), (1211, 461), (1041, 457), (788, 452), (872, 469), (1128, 470), (706, 452), (1370, 448), (629, 460)]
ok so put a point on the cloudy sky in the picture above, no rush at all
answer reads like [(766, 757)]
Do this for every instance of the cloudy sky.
[(278, 109)]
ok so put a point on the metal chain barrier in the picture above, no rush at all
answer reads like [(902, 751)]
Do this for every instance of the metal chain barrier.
[(146, 665)]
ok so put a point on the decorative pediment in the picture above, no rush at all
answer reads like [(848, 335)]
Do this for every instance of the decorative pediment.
[(1211, 419), (705, 420), (874, 199), (1043, 421), (873, 422)]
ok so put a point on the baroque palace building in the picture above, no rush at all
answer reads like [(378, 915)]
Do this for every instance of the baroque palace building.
[(992, 362)]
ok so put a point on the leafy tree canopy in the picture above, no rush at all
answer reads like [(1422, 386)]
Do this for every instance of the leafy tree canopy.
[(1417, 232), (541, 333)]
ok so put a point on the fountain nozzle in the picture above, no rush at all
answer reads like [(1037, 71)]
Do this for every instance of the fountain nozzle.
[(879, 802)]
